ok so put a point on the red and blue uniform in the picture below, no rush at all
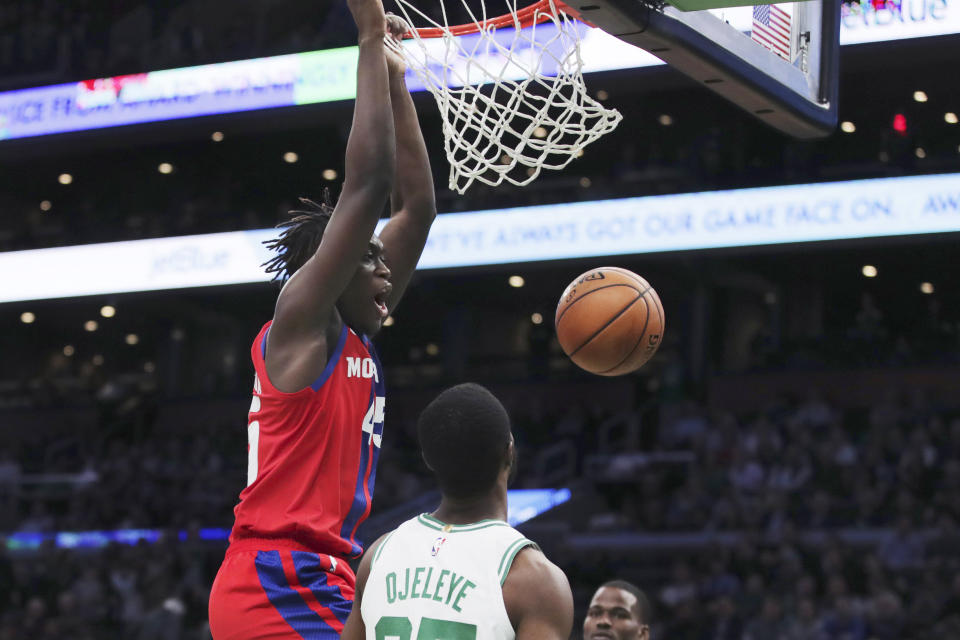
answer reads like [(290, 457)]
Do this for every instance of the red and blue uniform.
[(311, 470)]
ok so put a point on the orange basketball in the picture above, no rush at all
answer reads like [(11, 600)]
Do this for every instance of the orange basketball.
[(609, 321)]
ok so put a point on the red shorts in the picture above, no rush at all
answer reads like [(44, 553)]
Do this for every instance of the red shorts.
[(274, 594)]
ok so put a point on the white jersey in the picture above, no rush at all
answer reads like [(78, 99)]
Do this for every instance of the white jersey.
[(434, 581)]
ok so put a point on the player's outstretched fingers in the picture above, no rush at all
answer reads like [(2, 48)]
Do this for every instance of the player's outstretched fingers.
[(397, 27)]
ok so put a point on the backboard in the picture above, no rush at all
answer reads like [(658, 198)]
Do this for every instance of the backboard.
[(776, 61)]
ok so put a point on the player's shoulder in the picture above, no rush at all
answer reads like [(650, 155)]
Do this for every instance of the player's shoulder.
[(531, 567), (536, 587)]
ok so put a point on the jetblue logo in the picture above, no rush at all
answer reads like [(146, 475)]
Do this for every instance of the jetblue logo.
[(362, 368)]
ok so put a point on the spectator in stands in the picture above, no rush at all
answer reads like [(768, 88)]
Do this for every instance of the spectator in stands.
[(814, 412), (681, 588), (886, 620), (750, 600), (843, 622), (770, 624), (619, 610), (903, 548), (723, 622), (805, 624), (951, 605), (720, 581), (790, 472)]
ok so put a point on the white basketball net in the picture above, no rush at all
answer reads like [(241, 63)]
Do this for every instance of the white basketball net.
[(513, 101)]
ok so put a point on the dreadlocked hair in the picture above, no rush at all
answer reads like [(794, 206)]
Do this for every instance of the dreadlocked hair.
[(300, 237)]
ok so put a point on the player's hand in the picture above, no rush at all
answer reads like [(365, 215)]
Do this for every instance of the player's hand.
[(396, 28), (369, 16)]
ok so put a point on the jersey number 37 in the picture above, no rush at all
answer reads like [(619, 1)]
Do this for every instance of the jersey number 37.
[(395, 627)]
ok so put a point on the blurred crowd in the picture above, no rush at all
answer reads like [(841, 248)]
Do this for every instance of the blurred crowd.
[(802, 466), (53, 41), (144, 592), (843, 521), (786, 589)]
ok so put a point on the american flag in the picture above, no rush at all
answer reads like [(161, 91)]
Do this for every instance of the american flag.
[(771, 28)]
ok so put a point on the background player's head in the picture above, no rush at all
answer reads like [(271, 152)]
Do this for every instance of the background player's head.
[(619, 610), (359, 303), (466, 441)]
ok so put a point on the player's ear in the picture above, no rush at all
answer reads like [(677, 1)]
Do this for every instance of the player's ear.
[(425, 461), (511, 461)]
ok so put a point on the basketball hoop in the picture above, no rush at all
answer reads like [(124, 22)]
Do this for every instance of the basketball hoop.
[(512, 100)]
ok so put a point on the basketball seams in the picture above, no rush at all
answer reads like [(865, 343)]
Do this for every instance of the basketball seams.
[(660, 315), (640, 295), (643, 334), (579, 298)]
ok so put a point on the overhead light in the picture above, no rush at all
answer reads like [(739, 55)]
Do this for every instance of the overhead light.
[(602, 95), (540, 132), (108, 311), (132, 339), (432, 349), (69, 350), (97, 360), (149, 367), (516, 281), (665, 120), (27, 317), (920, 152), (869, 271), (217, 136), (580, 153), (536, 318), (919, 96), (847, 127), (290, 157), (165, 168), (46, 205), (65, 178), (926, 287), (950, 117), (90, 325), (389, 321), (329, 174), (585, 182), (178, 334)]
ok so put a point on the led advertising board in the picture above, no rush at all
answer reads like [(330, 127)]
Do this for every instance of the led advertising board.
[(598, 229)]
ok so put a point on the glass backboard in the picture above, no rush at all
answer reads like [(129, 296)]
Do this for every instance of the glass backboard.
[(777, 61)]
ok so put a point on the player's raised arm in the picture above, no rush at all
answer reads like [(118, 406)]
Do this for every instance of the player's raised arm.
[(413, 202), (538, 599), (305, 313)]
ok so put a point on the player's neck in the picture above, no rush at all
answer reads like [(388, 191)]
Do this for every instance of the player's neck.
[(492, 506)]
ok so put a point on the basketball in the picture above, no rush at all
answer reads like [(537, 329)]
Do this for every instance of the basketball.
[(609, 321)]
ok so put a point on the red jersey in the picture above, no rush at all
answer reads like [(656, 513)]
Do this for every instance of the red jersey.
[(313, 453)]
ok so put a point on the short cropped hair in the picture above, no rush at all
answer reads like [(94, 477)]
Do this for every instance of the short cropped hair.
[(465, 435), (644, 610)]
